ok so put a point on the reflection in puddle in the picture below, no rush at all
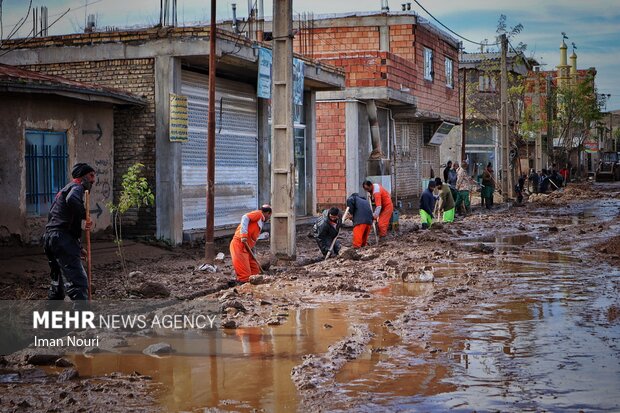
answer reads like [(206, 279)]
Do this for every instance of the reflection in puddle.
[(232, 369)]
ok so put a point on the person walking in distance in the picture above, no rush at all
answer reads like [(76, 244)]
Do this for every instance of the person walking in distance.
[(383, 206), (488, 185), (244, 240), (61, 242), (463, 183), (446, 171)]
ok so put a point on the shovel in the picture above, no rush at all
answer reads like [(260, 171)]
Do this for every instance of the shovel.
[(556, 187), (247, 247), (331, 247), (374, 225), (88, 265)]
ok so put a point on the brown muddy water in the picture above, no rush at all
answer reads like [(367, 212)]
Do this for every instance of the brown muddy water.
[(547, 342)]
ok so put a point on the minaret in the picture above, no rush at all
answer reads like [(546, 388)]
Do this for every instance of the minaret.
[(573, 67), (563, 67)]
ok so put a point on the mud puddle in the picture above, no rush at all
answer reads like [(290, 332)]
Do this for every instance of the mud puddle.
[(249, 368), (555, 350)]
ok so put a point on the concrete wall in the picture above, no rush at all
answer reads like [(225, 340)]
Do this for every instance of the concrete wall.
[(134, 127), (20, 112)]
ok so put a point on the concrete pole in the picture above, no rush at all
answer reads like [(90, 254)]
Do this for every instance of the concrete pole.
[(506, 174), (210, 212), (463, 115), (283, 165)]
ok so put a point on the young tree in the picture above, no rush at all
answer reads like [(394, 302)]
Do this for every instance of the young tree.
[(135, 194), (578, 109)]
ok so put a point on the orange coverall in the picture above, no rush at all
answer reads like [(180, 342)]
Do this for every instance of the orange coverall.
[(250, 227), (384, 201), (360, 235)]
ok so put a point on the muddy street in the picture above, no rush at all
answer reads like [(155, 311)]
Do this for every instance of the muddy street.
[(523, 314)]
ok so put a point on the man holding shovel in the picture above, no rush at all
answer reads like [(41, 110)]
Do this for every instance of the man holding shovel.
[(383, 206), (243, 259), (63, 231), (326, 230)]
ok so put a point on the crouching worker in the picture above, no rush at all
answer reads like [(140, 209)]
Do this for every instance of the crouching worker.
[(325, 231), (361, 214), (244, 240), (446, 201), (427, 205)]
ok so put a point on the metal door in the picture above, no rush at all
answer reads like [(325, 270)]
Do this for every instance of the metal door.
[(236, 151)]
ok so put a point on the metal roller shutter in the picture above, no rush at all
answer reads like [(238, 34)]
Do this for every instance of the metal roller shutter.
[(236, 151)]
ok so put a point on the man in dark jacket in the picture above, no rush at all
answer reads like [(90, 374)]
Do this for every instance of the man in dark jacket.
[(427, 206), (326, 230), (446, 171), (361, 214), (62, 236)]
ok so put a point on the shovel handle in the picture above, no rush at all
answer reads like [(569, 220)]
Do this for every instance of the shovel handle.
[(247, 247), (88, 264)]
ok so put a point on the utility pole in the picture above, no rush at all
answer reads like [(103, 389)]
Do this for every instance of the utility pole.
[(463, 116), (210, 210), (506, 173), (550, 106), (282, 165)]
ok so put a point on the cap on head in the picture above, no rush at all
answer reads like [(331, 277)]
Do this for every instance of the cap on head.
[(81, 169)]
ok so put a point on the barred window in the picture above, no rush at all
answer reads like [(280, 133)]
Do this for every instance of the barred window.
[(429, 74), (46, 169), (449, 73)]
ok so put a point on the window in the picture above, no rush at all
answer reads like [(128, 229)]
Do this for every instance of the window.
[(404, 139), (449, 77), (486, 83), (428, 64), (46, 169)]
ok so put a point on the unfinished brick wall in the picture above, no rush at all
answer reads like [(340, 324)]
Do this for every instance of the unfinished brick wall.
[(331, 155), (339, 39), (134, 127)]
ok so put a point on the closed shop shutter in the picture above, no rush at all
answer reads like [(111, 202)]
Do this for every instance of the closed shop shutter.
[(236, 151)]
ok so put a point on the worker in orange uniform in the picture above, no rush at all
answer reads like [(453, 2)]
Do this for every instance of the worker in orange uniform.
[(245, 238), (361, 214), (383, 206)]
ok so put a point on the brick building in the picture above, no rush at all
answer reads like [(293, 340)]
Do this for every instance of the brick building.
[(399, 64), (153, 63)]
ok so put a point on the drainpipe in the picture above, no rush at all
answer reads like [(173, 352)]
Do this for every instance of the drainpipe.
[(235, 25), (375, 135)]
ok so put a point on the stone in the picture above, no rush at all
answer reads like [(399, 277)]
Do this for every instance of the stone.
[(151, 289), (159, 348), (229, 324), (63, 362), (68, 374), (42, 359)]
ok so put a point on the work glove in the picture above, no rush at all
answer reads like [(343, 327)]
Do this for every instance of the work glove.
[(83, 253), (244, 240)]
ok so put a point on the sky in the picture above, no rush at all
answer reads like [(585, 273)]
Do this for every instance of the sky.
[(593, 25)]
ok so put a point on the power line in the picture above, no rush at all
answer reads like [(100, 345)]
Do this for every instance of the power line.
[(452, 31), (34, 34)]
